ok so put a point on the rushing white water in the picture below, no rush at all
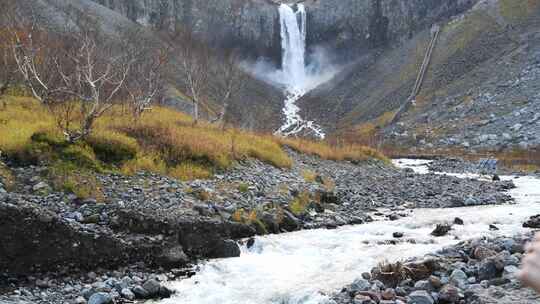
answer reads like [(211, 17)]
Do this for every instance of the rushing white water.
[(300, 267), (296, 79)]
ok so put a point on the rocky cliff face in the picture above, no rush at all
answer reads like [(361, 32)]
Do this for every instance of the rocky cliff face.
[(345, 26), (252, 24), (350, 26)]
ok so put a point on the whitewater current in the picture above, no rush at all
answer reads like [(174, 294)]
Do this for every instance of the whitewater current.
[(301, 267)]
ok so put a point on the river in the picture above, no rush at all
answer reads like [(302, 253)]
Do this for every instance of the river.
[(301, 267)]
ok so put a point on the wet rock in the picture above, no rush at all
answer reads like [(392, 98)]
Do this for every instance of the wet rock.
[(420, 297), (458, 221), (533, 222), (175, 256), (458, 278), (127, 293), (152, 287), (487, 270), (449, 294), (360, 285), (363, 299), (496, 178), (388, 294), (397, 235), (140, 292), (482, 253), (80, 300), (493, 228), (441, 230), (100, 298), (250, 243), (424, 285)]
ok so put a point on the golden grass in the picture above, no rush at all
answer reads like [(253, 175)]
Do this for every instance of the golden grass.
[(20, 120), (300, 203), (162, 141), (338, 153), (190, 171), (309, 176)]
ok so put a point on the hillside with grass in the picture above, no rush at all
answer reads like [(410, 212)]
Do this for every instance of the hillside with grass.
[(162, 141)]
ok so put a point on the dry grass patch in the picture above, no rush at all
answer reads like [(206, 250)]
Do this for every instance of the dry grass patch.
[(325, 151)]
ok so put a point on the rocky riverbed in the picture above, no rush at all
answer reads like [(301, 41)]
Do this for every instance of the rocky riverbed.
[(476, 271), (148, 227)]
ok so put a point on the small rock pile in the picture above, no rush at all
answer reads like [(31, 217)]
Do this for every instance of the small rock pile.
[(477, 271), (119, 286)]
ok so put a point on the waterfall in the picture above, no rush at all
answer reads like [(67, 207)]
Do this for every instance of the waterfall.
[(295, 77), (293, 43)]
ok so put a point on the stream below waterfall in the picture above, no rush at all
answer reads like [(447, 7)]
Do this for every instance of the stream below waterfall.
[(300, 267)]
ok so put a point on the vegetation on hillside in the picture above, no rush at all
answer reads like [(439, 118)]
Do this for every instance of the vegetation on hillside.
[(162, 140)]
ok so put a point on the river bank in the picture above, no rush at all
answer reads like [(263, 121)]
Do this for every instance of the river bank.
[(147, 232)]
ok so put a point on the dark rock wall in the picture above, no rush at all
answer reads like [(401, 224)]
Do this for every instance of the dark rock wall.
[(253, 25), (345, 26)]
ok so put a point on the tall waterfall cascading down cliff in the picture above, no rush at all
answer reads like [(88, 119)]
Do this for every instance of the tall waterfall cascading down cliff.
[(294, 71)]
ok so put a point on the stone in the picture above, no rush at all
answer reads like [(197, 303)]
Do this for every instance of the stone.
[(362, 299), (388, 294), (397, 235), (423, 285), (482, 253), (420, 297), (140, 292), (458, 278), (360, 285), (40, 186), (441, 230), (493, 227), (533, 222), (250, 243), (510, 271), (152, 287), (366, 276), (42, 283), (449, 294), (496, 178), (487, 270), (165, 292), (100, 298), (458, 221), (175, 256), (127, 294), (91, 219), (435, 281), (80, 300)]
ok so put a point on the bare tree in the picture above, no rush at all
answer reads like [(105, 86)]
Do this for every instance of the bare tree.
[(75, 69), (193, 58), (228, 82), (145, 82)]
